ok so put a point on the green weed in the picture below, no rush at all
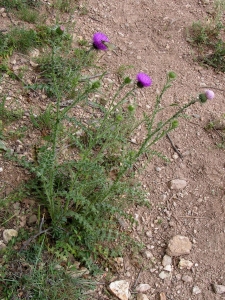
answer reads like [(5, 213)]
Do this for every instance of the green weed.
[(28, 15), (207, 37)]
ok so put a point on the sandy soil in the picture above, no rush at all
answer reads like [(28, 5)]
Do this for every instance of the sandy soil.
[(151, 36)]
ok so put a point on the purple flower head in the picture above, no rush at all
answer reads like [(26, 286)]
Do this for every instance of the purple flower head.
[(143, 80), (98, 39), (209, 94)]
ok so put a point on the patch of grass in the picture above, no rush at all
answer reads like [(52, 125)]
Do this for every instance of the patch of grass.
[(28, 15), (18, 4), (29, 274), (207, 37), (65, 5), (65, 70), (8, 115)]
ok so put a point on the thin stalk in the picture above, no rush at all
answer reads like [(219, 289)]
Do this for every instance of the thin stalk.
[(145, 145)]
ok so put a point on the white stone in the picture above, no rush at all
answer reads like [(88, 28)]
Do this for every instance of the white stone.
[(143, 287), (177, 184), (149, 254), (142, 297), (8, 234), (168, 268), (179, 245), (167, 260), (164, 275), (187, 278), (120, 289), (218, 289), (185, 264), (196, 290)]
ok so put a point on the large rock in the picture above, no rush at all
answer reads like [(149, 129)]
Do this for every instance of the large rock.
[(218, 289), (120, 289), (179, 245), (177, 184), (8, 234)]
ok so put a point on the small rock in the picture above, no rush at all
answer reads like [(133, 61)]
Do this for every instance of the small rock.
[(163, 275), (148, 233), (162, 296), (158, 169), (185, 264), (196, 290), (8, 234), (187, 278), (167, 260), (32, 220), (168, 268), (177, 184), (1, 169), (218, 289), (77, 272), (2, 245), (142, 297), (119, 260), (143, 287), (175, 156), (149, 254), (179, 245), (120, 289)]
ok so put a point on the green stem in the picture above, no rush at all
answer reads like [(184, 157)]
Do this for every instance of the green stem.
[(145, 145)]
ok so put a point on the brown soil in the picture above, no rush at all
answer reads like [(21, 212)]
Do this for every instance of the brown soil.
[(151, 36)]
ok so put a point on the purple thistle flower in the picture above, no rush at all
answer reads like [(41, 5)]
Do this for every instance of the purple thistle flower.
[(209, 94), (98, 39), (143, 80)]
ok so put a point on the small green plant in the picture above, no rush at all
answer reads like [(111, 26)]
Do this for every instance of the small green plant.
[(19, 4), (207, 37), (65, 5), (8, 115), (45, 121), (28, 15), (28, 274)]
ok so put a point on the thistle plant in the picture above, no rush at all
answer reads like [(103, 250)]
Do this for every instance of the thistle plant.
[(90, 190)]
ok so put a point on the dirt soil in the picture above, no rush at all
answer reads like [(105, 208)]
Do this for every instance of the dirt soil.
[(151, 36)]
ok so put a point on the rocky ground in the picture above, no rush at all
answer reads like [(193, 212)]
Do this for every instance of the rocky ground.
[(184, 230)]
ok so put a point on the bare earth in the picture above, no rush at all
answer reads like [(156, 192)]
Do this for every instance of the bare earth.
[(151, 36)]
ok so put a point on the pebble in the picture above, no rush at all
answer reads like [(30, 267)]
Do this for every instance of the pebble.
[(8, 234), (162, 296), (143, 287), (149, 254), (142, 297), (187, 278), (32, 220), (148, 233), (167, 260), (218, 289), (177, 184), (196, 290), (168, 268), (185, 264), (163, 275), (2, 245), (120, 289), (179, 245), (1, 170)]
